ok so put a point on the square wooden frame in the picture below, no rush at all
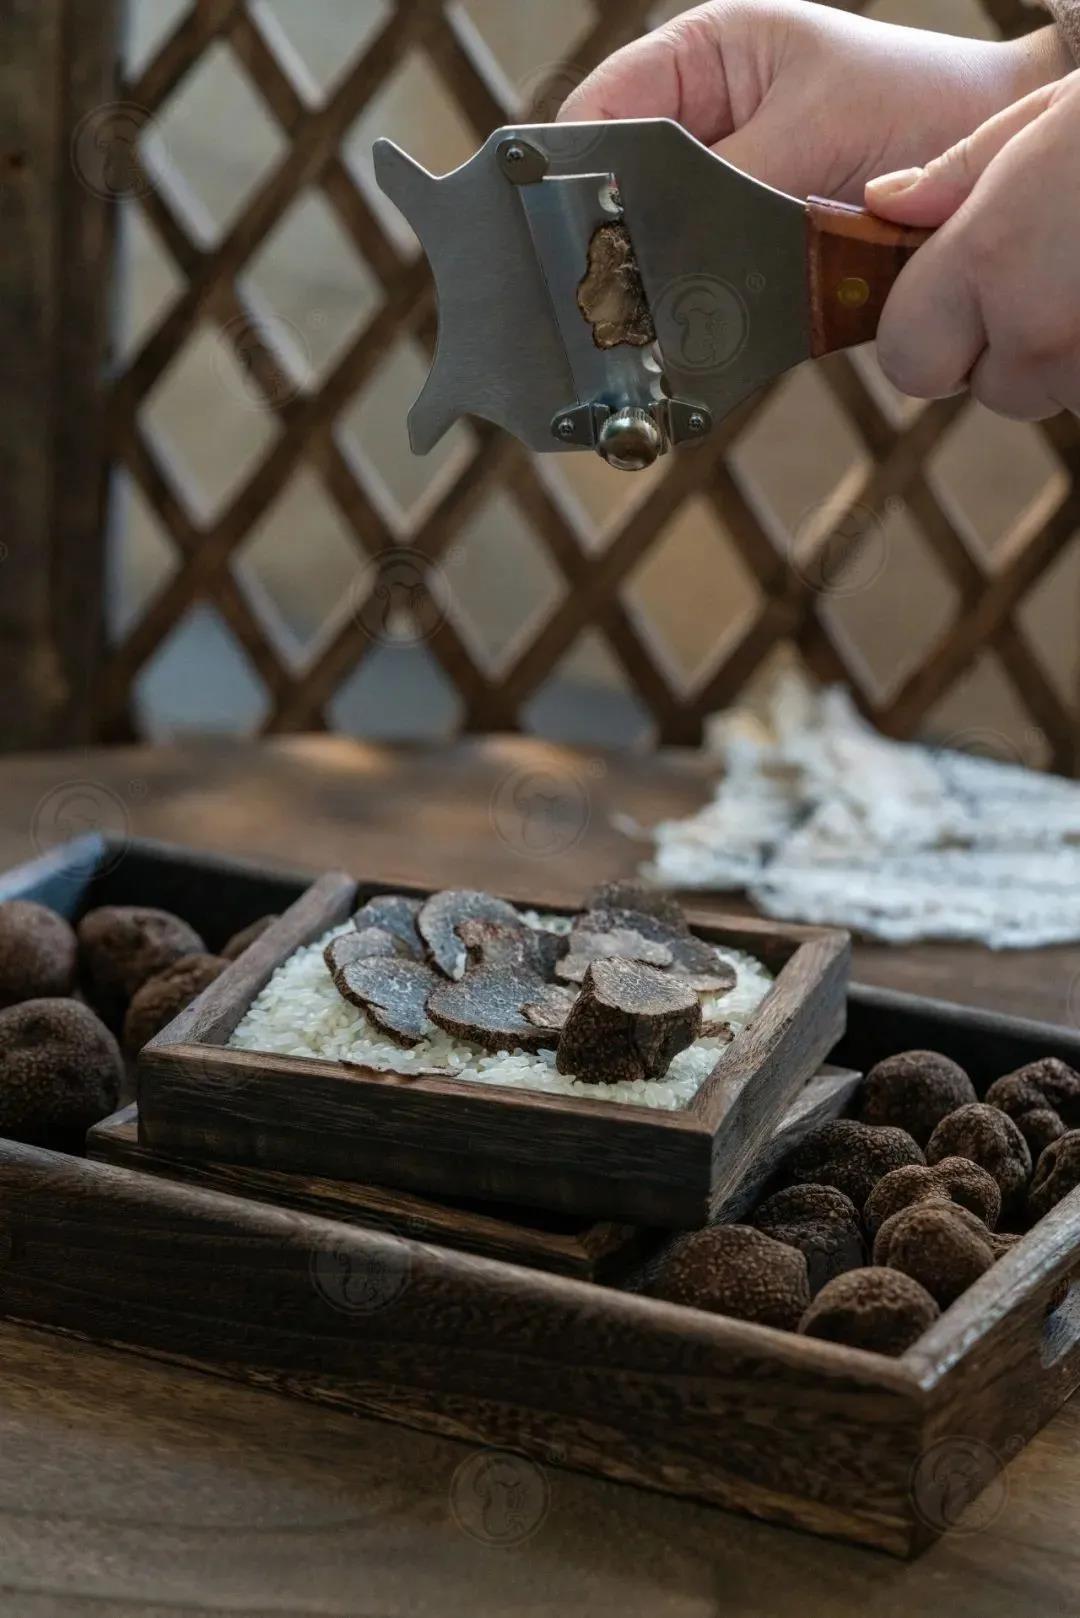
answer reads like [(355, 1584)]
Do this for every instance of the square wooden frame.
[(198, 1099)]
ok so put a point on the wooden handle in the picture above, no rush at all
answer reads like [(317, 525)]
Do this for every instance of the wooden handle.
[(854, 259)]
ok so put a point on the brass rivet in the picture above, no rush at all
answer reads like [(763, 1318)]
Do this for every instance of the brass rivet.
[(853, 292)]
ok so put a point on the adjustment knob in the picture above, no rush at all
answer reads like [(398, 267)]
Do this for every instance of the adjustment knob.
[(630, 440)]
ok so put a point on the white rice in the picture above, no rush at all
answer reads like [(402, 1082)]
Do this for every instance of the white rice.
[(301, 1013)]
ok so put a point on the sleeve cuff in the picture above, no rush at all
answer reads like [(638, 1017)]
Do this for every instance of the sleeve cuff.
[(1066, 14)]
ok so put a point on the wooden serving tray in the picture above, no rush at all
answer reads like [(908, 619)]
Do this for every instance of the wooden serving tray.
[(600, 1251), (797, 1431), (446, 1137)]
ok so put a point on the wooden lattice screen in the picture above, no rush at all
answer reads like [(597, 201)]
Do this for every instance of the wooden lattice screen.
[(791, 572)]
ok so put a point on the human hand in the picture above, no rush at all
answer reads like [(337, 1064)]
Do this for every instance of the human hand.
[(994, 298), (813, 100)]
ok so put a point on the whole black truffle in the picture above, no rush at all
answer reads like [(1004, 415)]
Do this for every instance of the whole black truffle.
[(914, 1091), (954, 1179), (38, 953), (1056, 1174), (1042, 1099), (850, 1155), (881, 1310), (60, 1071), (121, 946), (822, 1223), (247, 936), (991, 1139), (939, 1244), (738, 1271), (165, 995)]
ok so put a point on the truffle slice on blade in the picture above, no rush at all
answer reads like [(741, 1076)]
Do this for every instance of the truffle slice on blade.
[(38, 953), (60, 1071), (394, 913), (737, 1271), (393, 992), (440, 916), (878, 1309), (627, 1023)]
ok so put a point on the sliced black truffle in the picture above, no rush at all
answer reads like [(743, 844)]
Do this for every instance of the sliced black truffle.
[(38, 953), (440, 917), (394, 913), (691, 958), (611, 296), (551, 1007), (394, 994), (374, 943), (626, 895), (487, 1008), (627, 1023), (617, 943)]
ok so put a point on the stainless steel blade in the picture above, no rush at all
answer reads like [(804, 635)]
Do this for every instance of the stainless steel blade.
[(722, 258)]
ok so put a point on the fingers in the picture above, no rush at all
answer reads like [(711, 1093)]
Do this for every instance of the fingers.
[(931, 195), (931, 334), (676, 72)]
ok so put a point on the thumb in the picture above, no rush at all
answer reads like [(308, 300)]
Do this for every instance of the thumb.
[(931, 195)]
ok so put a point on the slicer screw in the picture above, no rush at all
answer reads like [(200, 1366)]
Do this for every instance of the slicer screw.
[(697, 422), (630, 440), (515, 154), (565, 429)]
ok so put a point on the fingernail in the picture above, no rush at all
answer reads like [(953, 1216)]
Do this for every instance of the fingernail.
[(894, 185)]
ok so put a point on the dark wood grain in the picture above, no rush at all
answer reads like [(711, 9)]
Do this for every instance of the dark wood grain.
[(855, 260), (445, 1136), (595, 1251)]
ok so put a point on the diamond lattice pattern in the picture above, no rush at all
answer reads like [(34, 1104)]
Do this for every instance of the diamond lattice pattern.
[(284, 321)]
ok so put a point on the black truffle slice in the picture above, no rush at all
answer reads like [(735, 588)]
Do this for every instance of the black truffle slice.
[(374, 943), (551, 1007), (440, 917), (487, 1008), (498, 943), (628, 1022), (691, 957), (393, 992), (550, 949), (611, 295), (617, 943), (396, 914), (623, 895)]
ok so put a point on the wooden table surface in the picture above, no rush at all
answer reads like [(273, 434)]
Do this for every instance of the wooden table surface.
[(145, 1491)]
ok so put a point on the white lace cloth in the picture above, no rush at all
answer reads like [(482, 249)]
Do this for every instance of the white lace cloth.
[(820, 819)]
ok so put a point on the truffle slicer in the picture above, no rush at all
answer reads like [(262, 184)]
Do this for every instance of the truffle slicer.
[(618, 287)]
